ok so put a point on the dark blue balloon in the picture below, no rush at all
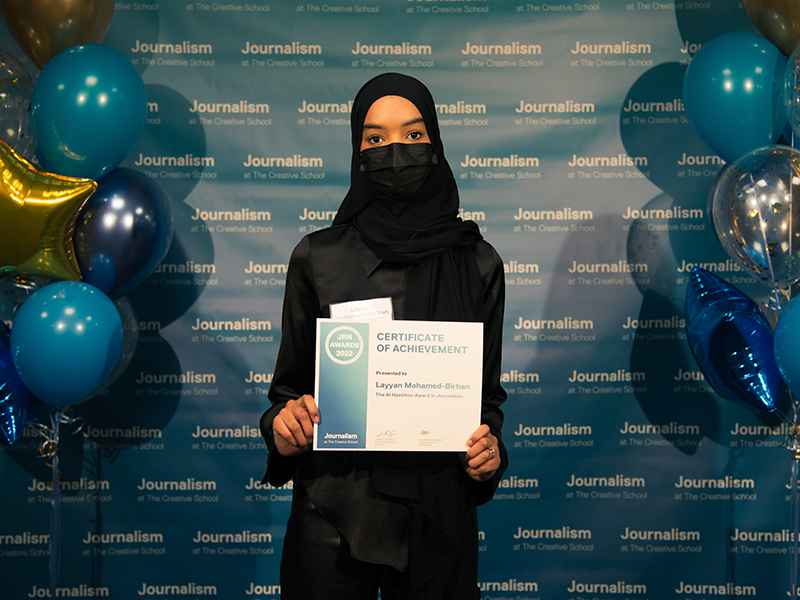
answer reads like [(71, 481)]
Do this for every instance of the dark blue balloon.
[(17, 404), (67, 338), (88, 107), (731, 340), (123, 232)]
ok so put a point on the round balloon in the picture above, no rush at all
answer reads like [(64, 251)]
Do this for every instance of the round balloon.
[(130, 337), (123, 232), (733, 94), (43, 28), (776, 20), (756, 214), (66, 340), (16, 88), (787, 332), (89, 107), (791, 92)]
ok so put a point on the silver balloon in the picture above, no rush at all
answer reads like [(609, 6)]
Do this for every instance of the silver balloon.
[(756, 214), (16, 88)]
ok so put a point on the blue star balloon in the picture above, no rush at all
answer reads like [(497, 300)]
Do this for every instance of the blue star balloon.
[(731, 340)]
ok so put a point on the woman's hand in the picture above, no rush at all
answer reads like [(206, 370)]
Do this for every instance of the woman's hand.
[(293, 428), (483, 457)]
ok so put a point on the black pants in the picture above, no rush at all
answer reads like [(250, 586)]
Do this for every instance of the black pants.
[(316, 565)]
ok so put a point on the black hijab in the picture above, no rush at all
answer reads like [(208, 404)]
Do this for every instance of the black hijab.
[(423, 229)]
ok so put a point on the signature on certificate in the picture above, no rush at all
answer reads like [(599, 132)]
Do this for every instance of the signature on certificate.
[(387, 433)]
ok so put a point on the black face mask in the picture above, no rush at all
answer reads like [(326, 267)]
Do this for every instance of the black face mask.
[(398, 170)]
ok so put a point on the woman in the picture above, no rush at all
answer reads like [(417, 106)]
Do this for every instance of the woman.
[(358, 517)]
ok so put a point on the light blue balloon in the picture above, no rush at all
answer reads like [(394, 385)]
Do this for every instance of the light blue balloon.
[(89, 107), (785, 344), (65, 341), (733, 94)]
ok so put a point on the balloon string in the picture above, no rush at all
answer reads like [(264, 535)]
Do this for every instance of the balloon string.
[(794, 447), (55, 513), (48, 449)]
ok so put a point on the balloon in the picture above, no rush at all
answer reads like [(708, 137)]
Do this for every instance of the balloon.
[(123, 232), (18, 288), (756, 214), (89, 108), (66, 339), (130, 337), (787, 333), (776, 20), (43, 28), (17, 405), (732, 343), (37, 216), (733, 94), (16, 88), (791, 92)]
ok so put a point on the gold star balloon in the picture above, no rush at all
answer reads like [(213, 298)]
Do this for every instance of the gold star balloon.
[(37, 217)]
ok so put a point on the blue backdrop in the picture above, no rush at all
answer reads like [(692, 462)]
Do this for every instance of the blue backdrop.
[(565, 127)]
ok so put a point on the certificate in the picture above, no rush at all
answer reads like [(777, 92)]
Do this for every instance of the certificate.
[(397, 385)]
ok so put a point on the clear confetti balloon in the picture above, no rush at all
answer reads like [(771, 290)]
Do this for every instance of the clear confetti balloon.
[(16, 87), (756, 214)]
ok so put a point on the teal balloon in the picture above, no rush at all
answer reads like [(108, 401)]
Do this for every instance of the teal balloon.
[(66, 340), (787, 335), (731, 340), (733, 94), (89, 108)]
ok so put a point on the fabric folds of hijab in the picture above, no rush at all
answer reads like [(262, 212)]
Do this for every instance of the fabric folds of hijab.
[(422, 229)]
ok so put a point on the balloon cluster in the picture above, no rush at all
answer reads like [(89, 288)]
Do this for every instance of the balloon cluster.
[(79, 233), (742, 96)]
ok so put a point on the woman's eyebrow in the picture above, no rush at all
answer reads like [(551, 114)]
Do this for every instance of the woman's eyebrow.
[(376, 126), (412, 121)]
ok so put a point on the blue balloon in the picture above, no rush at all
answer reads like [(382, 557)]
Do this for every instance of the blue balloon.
[(89, 107), (787, 335), (66, 340), (733, 94), (731, 340), (122, 232), (17, 404)]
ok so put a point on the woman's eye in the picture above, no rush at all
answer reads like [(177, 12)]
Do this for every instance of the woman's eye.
[(374, 139), (415, 135)]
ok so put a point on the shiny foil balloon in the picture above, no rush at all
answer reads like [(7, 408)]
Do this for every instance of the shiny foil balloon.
[(37, 218), (17, 404), (733, 94), (776, 20), (67, 338), (123, 232), (732, 343), (43, 28), (787, 336), (89, 108), (16, 88), (791, 92), (756, 214)]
